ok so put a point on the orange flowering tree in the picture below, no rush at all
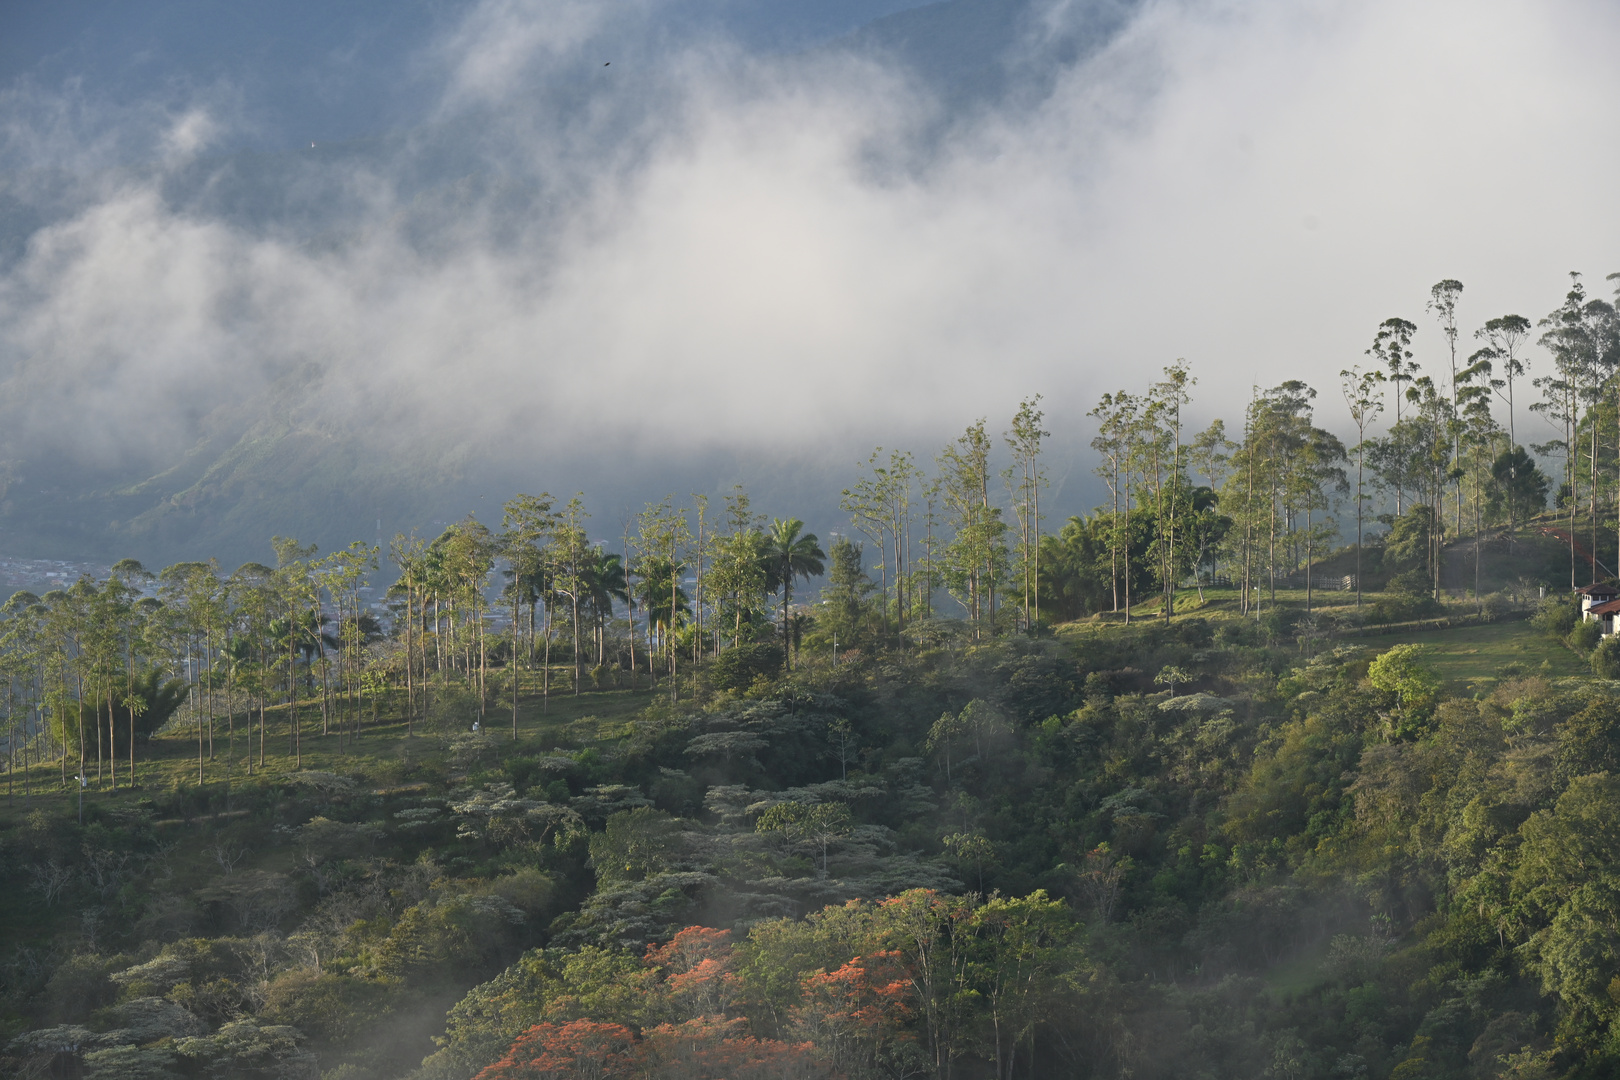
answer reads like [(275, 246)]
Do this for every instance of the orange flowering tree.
[(579, 1050), (902, 986)]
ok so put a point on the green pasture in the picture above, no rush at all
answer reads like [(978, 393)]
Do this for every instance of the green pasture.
[(383, 754), (1477, 656)]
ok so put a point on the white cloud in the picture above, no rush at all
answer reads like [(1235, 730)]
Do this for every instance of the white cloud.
[(738, 251), (190, 132)]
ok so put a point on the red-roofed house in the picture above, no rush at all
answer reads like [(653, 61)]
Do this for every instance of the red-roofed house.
[(1604, 614), (1593, 596)]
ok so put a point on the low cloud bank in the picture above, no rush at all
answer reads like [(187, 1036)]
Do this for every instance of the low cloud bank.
[(609, 239)]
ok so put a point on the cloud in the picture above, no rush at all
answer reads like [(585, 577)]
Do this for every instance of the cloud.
[(191, 132), (501, 42), (701, 248)]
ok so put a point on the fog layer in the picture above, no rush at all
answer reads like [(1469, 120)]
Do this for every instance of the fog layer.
[(609, 245)]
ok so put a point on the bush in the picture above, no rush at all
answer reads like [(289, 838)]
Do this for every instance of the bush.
[(1556, 615), (1278, 624), (1496, 605), (1401, 671), (737, 668), (1585, 636), (1414, 583), (80, 986), (451, 709), (1403, 608), (1606, 658)]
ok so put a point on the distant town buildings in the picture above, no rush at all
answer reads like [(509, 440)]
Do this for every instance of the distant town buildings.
[(39, 575)]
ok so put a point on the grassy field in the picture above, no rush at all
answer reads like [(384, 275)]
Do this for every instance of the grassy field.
[(1474, 657), (1469, 658), (169, 762)]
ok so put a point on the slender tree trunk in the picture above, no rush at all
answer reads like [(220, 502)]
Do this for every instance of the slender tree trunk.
[(208, 692), (293, 730), (1360, 454), (697, 598), (1113, 547), (326, 688), (1125, 552), (1571, 471), (674, 598), (1309, 553), (112, 741), (577, 670), (199, 704), (1594, 493), (545, 669), (1479, 604), (1036, 574), (98, 741), (515, 650), (1271, 550)]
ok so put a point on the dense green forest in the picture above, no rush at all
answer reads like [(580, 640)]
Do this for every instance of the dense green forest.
[(1294, 759)]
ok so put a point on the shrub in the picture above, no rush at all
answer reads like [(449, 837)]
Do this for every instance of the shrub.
[(1278, 624), (1556, 615), (1415, 583), (737, 668), (1403, 608), (1585, 636), (1606, 658), (79, 986), (1402, 672)]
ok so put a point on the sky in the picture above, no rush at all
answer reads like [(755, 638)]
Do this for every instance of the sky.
[(603, 231)]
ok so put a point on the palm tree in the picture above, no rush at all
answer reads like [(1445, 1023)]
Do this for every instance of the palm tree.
[(604, 582), (790, 553)]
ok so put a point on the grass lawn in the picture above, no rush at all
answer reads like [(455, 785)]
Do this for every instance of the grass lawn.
[(1469, 658), (1473, 656), (169, 761), (1221, 603)]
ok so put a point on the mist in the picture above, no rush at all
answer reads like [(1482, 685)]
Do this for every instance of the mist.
[(615, 248)]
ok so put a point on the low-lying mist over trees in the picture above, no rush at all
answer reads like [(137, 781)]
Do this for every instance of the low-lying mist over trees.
[(980, 540), (591, 236)]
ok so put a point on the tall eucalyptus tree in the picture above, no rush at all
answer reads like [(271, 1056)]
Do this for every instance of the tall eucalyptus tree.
[(296, 591), (879, 505), (527, 522), (1364, 395), (1166, 400), (573, 558), (1392, 349), (1026, 477), (408, 554), (1581, 335), (1443, 297), (1504, 337), (1116, 416), (976, 555)]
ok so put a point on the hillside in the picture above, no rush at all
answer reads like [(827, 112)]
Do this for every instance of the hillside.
[(1287, 856)]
